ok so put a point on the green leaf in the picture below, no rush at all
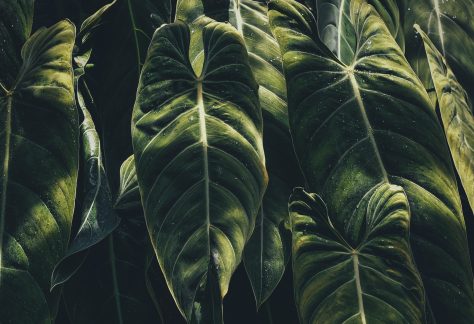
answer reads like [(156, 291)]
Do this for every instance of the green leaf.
[(200, 162), (38, 173), (355, 126), (449, 26), (361, 273), (98, 218), (267, 252), (110, 286), (15, 28), (129, 194), (335, 28), (456, 114)]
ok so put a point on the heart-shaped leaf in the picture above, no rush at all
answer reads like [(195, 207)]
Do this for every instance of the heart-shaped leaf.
[(199, 157), (355, 126), (362, 273), (267, 251), (38, 170)]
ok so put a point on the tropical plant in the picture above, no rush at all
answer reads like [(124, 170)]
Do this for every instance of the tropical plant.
[(211, 161)]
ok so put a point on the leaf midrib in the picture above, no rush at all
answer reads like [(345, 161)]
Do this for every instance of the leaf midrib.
[(6, 160), (203, 139)]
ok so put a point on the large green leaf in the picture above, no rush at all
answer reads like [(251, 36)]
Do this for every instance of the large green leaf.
[(456, 115), (355, 126), (361, 273), (38, 172), (267, 252), (98, 219), (449, 25), (110, 286), (200, 164)]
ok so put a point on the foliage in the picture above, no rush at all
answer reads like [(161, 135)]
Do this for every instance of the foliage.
[(170, 159)]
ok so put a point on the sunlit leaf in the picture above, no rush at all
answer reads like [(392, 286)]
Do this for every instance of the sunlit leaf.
[(38, 171), (456, 114), (362, 273), (200, 163)]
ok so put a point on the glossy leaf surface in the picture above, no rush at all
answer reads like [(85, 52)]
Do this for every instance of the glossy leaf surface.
[(267, 252), (449, 26), (200, 163), (456, 114), (355, 126), (362, 273), (38, 172)]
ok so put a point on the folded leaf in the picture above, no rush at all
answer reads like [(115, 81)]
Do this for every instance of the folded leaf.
[(267, 251), (129, 194), (38, 172), (199, 157), (98, 218), (371, 279), (456, 114), (355, 126), (449, 26)]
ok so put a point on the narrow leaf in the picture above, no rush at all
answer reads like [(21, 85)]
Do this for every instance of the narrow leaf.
[(98, 218), (456, 115)]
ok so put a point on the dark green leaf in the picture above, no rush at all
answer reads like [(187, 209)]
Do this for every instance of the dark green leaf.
[(355, 126), (456, 115), (38, 172), (119, 49), (368, 278), (449, 25), (129, 194), (15, 27), (98, 219), (267, 252), (200, 163)]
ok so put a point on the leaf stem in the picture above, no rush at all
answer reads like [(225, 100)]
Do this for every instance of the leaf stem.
[(268, 311)]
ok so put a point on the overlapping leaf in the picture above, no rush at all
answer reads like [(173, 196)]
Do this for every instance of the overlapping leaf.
[(368, 278), (98, 218), (449, 26), (355, 126), (266, 254), (38, 171), (456, 115), (199, 160)]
